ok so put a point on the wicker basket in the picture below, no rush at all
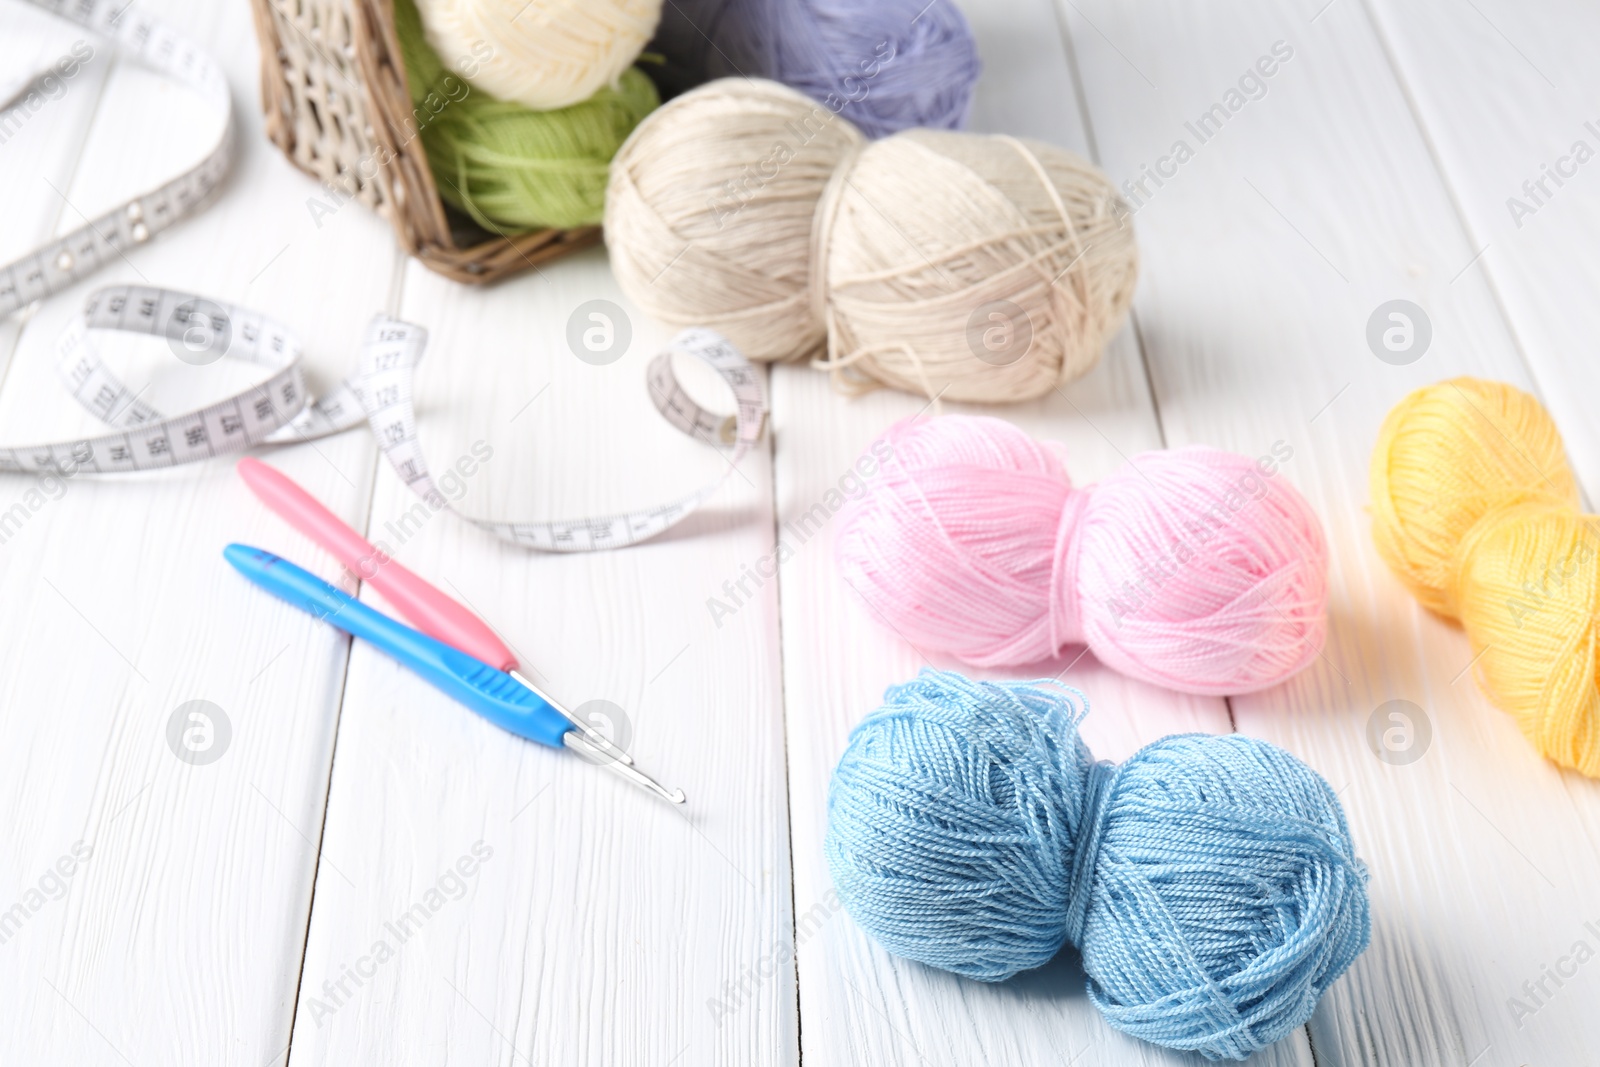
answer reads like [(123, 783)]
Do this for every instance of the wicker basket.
[(334, 94)]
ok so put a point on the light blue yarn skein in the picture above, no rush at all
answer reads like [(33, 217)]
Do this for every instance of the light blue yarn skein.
[(1209, 882)]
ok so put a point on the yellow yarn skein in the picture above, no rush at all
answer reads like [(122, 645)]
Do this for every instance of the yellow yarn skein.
[(1475, 508)]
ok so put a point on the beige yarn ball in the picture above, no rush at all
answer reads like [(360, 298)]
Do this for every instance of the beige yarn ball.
[(964, 266), (545, 54), (709, 212), (982, 267)]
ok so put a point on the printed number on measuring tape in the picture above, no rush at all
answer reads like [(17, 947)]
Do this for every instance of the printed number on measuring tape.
[(67, 260), (281, 411)]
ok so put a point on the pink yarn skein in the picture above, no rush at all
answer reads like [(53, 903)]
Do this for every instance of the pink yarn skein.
[(1196, 569)]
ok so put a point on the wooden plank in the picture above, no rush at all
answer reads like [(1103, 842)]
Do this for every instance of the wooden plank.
[(1265, 256), (1462, 74), (1505, 93), (178, 938), (607, 927), (41, 141), (859, 1004)]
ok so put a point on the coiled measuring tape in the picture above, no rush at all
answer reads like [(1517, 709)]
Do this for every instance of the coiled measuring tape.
[(67, 260), (281, 411), (389, 357)]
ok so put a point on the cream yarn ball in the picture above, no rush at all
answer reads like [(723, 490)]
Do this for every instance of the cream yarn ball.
[(987, 267), (545, 54), (966, 266), (709, 212)]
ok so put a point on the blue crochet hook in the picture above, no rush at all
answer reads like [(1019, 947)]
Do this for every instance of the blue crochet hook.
[(491, 693)]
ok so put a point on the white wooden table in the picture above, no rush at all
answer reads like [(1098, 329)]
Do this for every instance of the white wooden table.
[(222, 910)]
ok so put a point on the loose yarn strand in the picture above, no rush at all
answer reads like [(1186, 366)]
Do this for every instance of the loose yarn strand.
[(1080, 305)]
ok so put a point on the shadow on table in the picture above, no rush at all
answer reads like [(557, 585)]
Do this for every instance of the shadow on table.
[(1062, 979)]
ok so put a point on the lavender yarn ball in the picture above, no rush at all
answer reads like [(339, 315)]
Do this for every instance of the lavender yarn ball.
[(885, 65)]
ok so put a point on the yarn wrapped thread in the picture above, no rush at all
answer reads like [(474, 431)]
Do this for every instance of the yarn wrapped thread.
[(703, 232), (1476, 510), (543, 54), (504, 164), (971, 267), (1210, 882), (1195, 569), (886, 65)]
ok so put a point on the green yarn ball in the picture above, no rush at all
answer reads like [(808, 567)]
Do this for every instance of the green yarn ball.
[(507, 165)]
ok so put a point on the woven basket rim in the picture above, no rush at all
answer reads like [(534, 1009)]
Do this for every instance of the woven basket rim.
[(402, 186)]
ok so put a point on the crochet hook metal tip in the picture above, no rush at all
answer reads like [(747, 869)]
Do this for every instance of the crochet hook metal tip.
[(606, 757), (593, 736), (437, 615)]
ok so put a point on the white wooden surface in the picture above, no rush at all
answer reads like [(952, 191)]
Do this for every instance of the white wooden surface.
[(1322, 201), (602, 928), (179, 939)]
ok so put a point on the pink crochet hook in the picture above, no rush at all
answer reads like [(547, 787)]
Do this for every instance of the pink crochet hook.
[(429, 609)]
